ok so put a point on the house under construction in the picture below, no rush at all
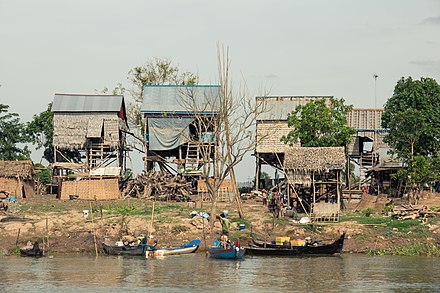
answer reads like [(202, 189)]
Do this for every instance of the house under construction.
[(91, 128)]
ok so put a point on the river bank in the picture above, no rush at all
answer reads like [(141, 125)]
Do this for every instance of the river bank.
[(75, 226)]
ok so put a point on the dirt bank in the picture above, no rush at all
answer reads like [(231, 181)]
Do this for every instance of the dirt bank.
[(70, 230)]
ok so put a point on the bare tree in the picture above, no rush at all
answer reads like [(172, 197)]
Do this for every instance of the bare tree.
[(231, 118)]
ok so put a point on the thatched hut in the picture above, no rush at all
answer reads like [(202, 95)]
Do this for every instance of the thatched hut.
[(17, 178), (319, 170)]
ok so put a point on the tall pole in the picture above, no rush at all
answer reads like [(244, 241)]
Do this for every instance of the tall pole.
[(375, 76)]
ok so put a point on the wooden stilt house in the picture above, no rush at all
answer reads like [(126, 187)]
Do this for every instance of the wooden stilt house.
[(271, 126), (93, 127), (179, 124)]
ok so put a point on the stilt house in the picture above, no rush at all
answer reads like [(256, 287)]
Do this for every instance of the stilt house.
[(93, 127), (179, 127), (271, 126)]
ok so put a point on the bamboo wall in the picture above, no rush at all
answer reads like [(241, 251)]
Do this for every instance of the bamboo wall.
[(91, 189), (269, 136), (16, 186)]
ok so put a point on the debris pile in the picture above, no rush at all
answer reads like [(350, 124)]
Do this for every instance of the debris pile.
[(405, 212), (162, 186)]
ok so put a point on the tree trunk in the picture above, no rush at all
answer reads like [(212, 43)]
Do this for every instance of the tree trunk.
[(237, 194), (213, 209)]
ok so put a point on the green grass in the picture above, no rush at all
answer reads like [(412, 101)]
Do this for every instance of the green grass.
[(414, 249)]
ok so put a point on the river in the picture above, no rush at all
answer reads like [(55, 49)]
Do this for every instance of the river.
[(196, 273)]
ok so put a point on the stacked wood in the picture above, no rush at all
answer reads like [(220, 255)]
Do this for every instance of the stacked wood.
[(158, 185), (405, 212)]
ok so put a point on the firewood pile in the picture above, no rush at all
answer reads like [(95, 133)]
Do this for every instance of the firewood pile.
[(405, 212), (158, 185)]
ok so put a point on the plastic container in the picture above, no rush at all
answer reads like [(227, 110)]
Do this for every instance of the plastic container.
[(297, 242), (241, 227), (225, 213)]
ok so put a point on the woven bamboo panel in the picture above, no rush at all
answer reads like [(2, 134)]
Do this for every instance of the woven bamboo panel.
[(325, 211), (226, 186), (269, 137), (16, 186), (91, 189)]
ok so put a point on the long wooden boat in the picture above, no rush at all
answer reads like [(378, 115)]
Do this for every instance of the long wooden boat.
[(233, 251), (124, 249), (190, 247), (313, 248)]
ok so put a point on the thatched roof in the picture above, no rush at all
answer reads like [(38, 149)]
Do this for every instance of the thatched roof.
[(314, 159), (71, 130), (14, 169)]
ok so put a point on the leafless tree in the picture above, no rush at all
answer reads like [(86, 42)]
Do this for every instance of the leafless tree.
[(231, 118)]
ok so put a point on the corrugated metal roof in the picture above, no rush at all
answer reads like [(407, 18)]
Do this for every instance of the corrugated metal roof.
[(366, 119), (277, 108), (175, 99), (87, 103)]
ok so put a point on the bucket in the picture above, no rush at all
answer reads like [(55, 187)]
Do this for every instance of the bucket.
[(241, 227), (85, 213)]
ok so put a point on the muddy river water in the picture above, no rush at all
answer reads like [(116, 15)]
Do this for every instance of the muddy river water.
[(196, 273)]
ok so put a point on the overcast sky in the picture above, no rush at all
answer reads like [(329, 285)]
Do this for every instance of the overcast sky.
[(289, 47)]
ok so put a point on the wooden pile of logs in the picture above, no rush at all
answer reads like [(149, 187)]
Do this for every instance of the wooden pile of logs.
[(405, 212), (162, 186)]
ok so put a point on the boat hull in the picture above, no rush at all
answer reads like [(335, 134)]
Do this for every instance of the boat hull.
[(125, 250), (176, 251), (31, 252), (262, 248), (228, 253)]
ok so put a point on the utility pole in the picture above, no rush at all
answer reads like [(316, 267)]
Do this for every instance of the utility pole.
[(375, 76)]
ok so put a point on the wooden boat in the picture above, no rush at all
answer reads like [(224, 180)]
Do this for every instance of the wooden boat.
[(232, 251), (124, 249), (313, 248), (185, 248), (34, 251)]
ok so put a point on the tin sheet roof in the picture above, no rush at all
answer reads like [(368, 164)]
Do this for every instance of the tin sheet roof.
[(87, 103), (277, 108), (178, 99)]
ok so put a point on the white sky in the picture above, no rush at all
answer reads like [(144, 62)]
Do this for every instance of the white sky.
[(290, 47)]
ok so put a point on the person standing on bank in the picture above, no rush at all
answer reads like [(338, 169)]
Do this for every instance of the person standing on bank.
[(226, 224), (264, 194)]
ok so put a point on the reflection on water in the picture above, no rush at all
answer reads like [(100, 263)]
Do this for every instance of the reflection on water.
[(346, 273)]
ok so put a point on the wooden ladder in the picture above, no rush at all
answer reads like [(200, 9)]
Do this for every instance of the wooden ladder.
[(192, 156)]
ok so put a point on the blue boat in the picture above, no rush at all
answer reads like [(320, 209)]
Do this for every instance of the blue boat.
[(228, 251), (185, 248)]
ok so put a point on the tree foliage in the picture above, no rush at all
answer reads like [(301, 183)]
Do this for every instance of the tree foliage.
[(317, 124), (412, 115), (40, 133), (12, 134)]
